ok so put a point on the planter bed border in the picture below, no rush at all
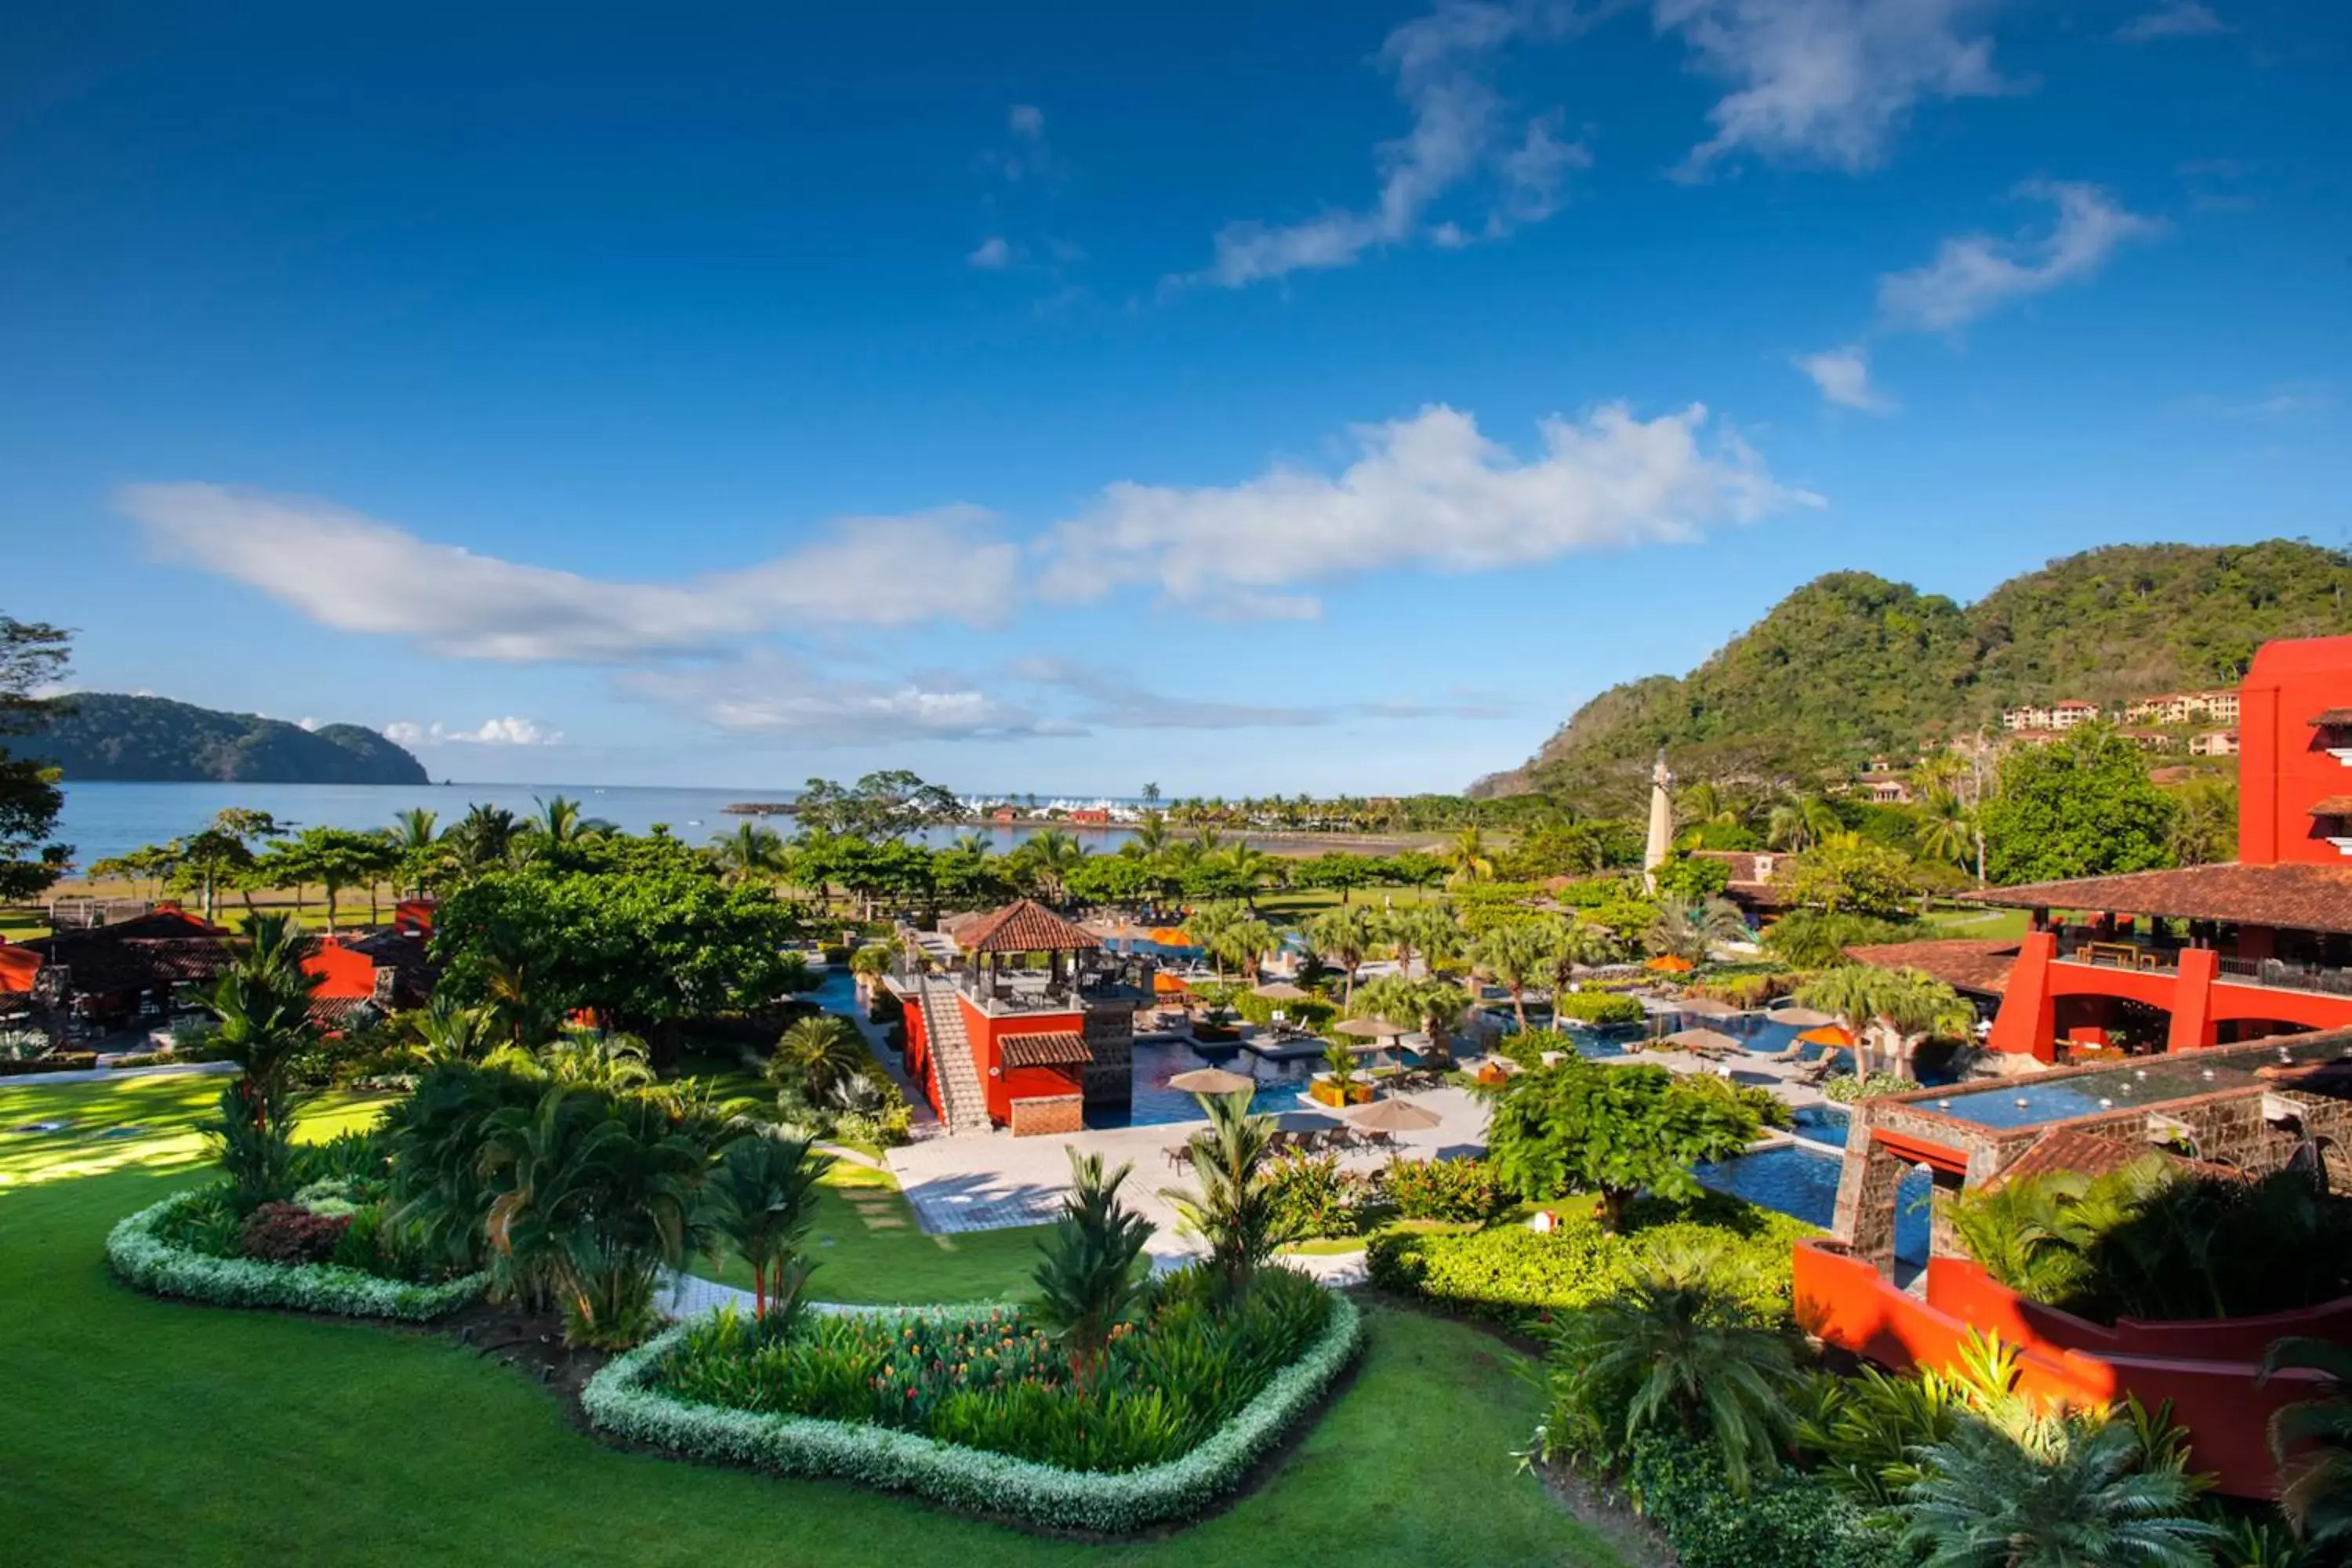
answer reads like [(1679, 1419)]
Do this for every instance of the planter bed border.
[(143, 1260)]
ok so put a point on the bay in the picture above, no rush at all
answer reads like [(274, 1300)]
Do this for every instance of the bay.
[(103, 819)]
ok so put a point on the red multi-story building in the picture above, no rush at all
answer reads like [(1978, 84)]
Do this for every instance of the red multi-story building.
[(2205, 955)]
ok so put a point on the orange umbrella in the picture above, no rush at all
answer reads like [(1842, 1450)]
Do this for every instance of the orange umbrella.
[(1166, 985), (1171, 936), (1828, 1035), (1668, 963)]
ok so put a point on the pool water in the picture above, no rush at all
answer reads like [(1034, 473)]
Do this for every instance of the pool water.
[(2020, 1105), (1792, 1180), (1282, 1085), (1821, 1124)]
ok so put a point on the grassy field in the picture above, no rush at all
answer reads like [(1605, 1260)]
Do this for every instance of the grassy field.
[(2006, 925), (144, 1431)]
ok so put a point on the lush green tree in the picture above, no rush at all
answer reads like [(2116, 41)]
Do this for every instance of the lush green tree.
[(150, 863), (1468, 858), (1432, 1005), (886, 804), (1690, 880), (1232, 1206), (337, 858), (32, 658), (2068, 1490), (489, 837), (1431, 931), (1891, 1012), (1808, 938), (1087, 1276), (2205, 825), (817, 1053), (1108, 879), (1692, 931), (2079, 806), (758, 1205), (1845, 874), (1049, 859), (1612, 1131)]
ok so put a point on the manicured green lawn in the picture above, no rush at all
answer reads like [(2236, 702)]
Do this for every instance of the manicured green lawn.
[(2005, 925), (135, 1430)]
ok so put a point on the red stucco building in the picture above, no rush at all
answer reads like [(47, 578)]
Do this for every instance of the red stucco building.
[(2205, 955)]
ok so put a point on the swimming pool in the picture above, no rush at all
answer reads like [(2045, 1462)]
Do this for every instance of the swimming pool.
[(1282, 1085), (2021, 1105), (1821, 1124), (1796, 1182)]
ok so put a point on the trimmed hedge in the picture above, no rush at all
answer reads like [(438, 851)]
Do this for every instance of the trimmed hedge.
[(1601, 1009), (1788, 1520), (142, 1258), (1521, 1277), (622, 1400), (59, 1061)]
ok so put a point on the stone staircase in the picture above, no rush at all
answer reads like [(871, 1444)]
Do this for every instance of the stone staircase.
[(964, 1105)]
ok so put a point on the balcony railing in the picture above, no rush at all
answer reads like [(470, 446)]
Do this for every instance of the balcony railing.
[(2272, 974)]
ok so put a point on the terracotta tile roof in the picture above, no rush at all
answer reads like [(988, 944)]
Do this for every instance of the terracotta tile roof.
[(2091, 1155), (1061, 1047), (332, 1013), (2334, 806), (1969, 964), (414, 975), (2333, 716), (2303, 898), (99, 962), (1027, 926)]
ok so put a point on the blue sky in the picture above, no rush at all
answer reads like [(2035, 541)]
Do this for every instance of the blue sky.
[(1058, 398)]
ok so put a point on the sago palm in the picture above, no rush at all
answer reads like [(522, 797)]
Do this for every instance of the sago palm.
[(447, 1032), (1087, 1280), (815, 1052), (2074, 1492), (1234, 1209), (758, 1205)]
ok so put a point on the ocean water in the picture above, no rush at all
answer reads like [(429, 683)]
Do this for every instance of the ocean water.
[(107, 819)]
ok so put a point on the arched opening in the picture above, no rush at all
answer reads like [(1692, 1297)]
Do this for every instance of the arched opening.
[(2090, 1025)]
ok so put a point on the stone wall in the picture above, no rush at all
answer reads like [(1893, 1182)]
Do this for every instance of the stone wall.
[(1048, 1116), (1109, 1079)]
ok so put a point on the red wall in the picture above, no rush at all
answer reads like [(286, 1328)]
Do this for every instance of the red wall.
[(2206, 1369), (2197, 997), (2282, 767), (18, 967), (341, 972), (987, 1032)]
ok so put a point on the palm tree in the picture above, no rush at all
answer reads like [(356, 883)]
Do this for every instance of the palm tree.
[(1051, 855), (1889, 1009), (262, 1000), (1683, 1355), (1251, 868), (1346, 936), (1519, 954), (1234, 1210), (870, 964), (751, 852), (2068, 1490), (1433, 1005), (815, 1052), (1151, 835), (2312, 1440), (1088, 1282), (758, 1205), (1800, 822), (592, 1058), (1212, 928), (557, 825), (1468, 856), (486, 838), (512, 992), (1692, 932), (1577, 944), (1947, 829), (1430, 930), (448, 1032)]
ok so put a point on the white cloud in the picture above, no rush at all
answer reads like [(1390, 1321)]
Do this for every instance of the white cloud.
[(788, 700), (1026, 121), (508, 731), (1109, 700), (992, 254), (1027, 156), (355, 574), (2173, 19), (1843, 376), (1429, 493), (1973, 274), (1828, 81), (1458, 121)]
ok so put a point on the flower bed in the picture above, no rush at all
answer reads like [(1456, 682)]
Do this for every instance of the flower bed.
[(139, 1255), (629, 1399)]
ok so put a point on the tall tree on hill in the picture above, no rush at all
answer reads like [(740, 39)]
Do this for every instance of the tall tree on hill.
[(2080, 807), (32, 655)]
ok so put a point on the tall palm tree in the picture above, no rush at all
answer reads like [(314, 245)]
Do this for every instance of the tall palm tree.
[(1234, 1209), (1211, 928), (1087, 1279), (1051, 855), (1947, 831), (2312, 1440), (1430, 930), (1681, 1355), (1468, 856), (415, 828), (487, 837), (1150, 835), (758, 1205), (1889, 1011), (1692, 932), (1800, 822), (2072, 1491), (1517, 955), (1253, 868), (558, 824), (750, 853), (1346, 935)]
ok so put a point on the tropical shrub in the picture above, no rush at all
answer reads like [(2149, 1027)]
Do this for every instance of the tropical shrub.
[(882, 1403), (1599, 1009), (1230, 1205), (1845, 1088), (758, 1205), (1088, 1286), (1311, 1012), (1521, 1277), (2311, 1439), (1460, 1191), (288, 1233), (1612, 1131), (1314, 1196), (1786, 1520), (143, 1253)]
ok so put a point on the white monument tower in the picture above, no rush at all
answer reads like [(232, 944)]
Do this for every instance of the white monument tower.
[(1662, 822)]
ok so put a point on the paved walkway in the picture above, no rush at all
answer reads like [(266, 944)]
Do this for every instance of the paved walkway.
[(92, 1075)]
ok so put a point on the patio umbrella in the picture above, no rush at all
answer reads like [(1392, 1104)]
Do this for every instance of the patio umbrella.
[(1368, 1028), (1170, 936), (1305, 1122), (1166, 985), (1668, 963), (1801, 1018), (1394, 1116), (1706, 1007), (1833, 1034), (1281, 991), (1210, 1080), (1702, 1040)]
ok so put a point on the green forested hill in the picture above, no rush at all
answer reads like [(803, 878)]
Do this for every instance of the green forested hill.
[(107, 736), (1852, 665)]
